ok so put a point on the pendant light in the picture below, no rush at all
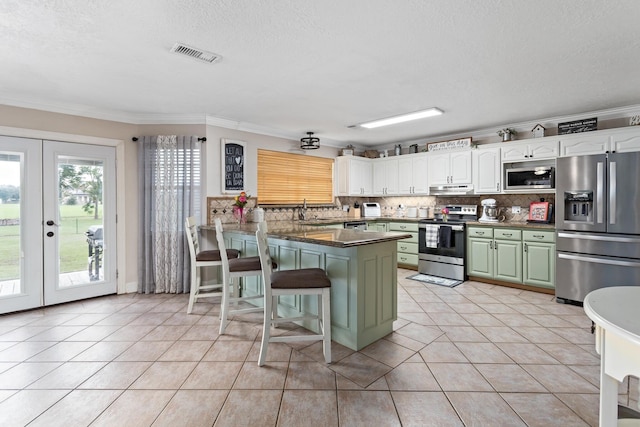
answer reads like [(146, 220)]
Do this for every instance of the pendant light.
[(309, 142)]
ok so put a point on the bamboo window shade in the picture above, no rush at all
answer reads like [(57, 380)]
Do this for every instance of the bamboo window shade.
[(285, 178)]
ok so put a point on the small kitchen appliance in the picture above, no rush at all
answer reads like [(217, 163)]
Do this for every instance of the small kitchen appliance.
[(489, 211), (371, 210)]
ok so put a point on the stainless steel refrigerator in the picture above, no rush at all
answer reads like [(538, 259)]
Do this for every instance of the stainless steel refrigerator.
[(597, 223)]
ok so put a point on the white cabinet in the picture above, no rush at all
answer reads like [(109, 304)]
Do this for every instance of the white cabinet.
[(412, 174), (600, 142), (353, 176), (385, 177), (543, 149), (487, 172), (625, 142), (583, 145), (450, 168)]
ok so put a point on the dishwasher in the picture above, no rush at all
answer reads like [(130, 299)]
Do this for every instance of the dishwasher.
[(355, 225)]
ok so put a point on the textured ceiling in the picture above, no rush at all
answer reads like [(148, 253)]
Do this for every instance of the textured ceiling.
[(292, 66)]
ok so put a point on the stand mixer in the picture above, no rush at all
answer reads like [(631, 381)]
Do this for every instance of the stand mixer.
[(490, 211)]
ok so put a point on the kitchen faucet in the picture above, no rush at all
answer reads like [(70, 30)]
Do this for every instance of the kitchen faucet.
[(302, 213)]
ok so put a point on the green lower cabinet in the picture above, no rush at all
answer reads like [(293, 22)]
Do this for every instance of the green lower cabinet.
[(378, 226), (480, 257), (508, 261), (407, 248), (539, 264), (512, 255)]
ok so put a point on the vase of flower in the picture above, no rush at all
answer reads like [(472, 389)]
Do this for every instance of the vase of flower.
[(445, 214), (239, 203)]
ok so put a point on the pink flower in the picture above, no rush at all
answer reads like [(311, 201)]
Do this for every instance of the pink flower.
[(445, 211)]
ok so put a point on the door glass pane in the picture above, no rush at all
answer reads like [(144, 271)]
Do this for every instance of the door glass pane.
[(10, 260), (80, 221)]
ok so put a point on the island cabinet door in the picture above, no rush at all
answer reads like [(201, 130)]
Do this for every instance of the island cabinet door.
[(251, 285), (287, 259)]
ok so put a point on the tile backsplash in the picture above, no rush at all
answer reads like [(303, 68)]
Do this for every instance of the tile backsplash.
[(389, 205), (221, 207)]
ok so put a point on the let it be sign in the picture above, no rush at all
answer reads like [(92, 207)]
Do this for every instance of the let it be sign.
[(232, 155)]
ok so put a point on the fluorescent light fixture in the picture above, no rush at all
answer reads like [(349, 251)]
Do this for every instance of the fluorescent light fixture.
[(403, 118)]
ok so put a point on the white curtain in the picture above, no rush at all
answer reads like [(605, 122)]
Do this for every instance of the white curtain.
[(169, 185)]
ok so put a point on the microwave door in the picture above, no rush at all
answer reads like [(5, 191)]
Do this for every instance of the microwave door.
[(623, 193)]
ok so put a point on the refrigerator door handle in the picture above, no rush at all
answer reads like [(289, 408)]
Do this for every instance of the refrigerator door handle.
[(599, 238), (610, 261), (612, 192), (599, 192)]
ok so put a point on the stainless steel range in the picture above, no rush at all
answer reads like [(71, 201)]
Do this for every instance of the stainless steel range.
[(442, 243)]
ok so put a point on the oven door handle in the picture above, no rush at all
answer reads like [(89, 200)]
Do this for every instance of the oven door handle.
[(453, 227)]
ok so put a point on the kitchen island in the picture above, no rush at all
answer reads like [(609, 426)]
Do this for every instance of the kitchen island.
[(361, 265)]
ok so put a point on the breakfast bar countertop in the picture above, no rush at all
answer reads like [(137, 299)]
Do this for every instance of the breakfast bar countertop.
[(301, 232)]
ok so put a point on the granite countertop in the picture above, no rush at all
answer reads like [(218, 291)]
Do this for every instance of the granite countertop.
[(514, 224), (302, 231)]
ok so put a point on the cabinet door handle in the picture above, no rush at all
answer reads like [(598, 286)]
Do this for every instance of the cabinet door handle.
[(491, 244), (480, 233), (538, 236), (507, 234), (495, 245), (525, 247), (497, 186)]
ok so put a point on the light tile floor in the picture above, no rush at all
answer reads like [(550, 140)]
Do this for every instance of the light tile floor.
[(476, 354)]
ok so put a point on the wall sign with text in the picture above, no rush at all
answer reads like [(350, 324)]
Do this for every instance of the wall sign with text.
[(233, 157)]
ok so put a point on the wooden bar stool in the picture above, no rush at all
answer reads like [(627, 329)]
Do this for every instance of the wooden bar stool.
[(200, 259), (305, 281), (235, 268)]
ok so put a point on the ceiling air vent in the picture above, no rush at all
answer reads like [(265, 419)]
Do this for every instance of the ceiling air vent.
[(194, 53)]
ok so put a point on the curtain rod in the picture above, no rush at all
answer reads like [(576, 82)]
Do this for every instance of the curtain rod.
[(203, 139)]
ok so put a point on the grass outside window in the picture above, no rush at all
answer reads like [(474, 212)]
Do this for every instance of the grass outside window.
[(73, 242)]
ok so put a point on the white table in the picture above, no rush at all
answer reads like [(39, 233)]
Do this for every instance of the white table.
[(616, 313)]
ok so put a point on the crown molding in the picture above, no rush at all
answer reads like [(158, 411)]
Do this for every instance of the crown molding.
[(548, 122), (265, 130), (197, 119)]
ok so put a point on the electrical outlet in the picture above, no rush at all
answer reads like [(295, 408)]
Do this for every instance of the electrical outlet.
[(515, 209)]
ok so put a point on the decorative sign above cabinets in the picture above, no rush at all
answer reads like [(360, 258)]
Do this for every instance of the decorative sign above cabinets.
[(454, 144), (577, 126), (233, 156)]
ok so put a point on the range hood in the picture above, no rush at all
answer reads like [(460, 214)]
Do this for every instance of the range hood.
[(451, 190)]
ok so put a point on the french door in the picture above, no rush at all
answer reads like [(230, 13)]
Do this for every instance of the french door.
[(57, 222)]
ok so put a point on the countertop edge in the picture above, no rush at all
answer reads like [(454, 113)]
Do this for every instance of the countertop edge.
[(294, 231)]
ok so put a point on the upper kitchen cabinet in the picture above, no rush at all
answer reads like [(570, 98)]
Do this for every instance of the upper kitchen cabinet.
[(625, 142), (531, 150), (583, 144), (353, 176), (600, 142), (385, 176), (450, 168), (487, 176), (412, 174)]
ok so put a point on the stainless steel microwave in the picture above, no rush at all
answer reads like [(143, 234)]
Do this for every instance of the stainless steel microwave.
[(530, 178)]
